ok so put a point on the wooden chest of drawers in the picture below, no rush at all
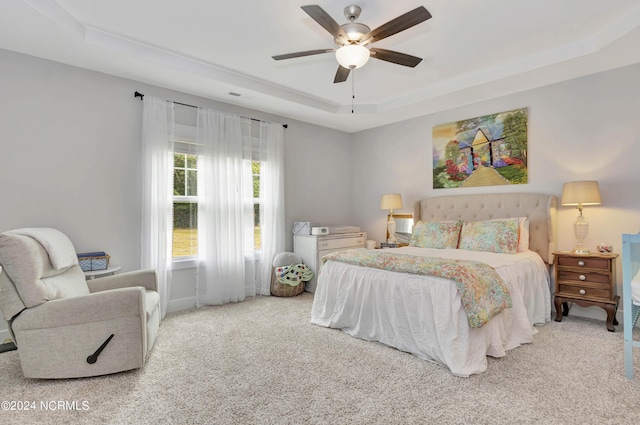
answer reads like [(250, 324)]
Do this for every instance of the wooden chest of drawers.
[(587, 280)]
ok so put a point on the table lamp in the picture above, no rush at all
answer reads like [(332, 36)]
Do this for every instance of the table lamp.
[(391, 201), (581, 193)]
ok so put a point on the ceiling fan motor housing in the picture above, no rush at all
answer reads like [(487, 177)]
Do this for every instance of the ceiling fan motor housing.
[(352, 12), (355, 31)]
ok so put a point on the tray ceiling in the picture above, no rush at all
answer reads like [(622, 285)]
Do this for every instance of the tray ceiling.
[(472, 50)]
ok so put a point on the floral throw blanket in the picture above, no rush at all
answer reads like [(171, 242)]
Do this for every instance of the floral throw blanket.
[(483, 292)]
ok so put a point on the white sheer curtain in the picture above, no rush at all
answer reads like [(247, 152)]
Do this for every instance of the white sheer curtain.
[(271, 155), (158, 133), (229, 268), (221, 191)]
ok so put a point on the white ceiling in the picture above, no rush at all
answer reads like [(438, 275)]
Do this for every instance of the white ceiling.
[(472, 50)]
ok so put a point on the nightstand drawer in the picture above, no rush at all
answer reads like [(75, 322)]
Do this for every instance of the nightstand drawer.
[(588, 263), (585, 292), (564, 275)]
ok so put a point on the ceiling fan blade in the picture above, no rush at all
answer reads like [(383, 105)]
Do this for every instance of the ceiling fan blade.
[(395, 57), (342, 74), (394, 26), (301, 54), (326, 21)]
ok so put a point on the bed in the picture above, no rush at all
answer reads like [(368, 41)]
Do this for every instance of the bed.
[(429, 315)]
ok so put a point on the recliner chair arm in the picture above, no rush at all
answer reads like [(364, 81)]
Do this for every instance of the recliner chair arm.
[(100, 306), (146, 278)]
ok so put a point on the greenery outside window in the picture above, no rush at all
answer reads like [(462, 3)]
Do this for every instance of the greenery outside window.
[(255, 174), (185, 204)]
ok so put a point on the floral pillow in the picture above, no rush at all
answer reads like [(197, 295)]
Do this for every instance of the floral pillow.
[(436, 234), (523, 233), (491, 235)]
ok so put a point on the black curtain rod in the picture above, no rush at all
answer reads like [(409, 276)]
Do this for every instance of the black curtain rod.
[(141, 96)]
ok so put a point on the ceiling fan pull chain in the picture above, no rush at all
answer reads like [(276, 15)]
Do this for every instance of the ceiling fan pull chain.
[(353, 88)]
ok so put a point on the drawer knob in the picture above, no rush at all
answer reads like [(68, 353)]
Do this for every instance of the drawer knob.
[(581, 263), (582, 277), (583, 292)]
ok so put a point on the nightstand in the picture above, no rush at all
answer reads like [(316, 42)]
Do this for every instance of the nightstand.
[(587, 280)]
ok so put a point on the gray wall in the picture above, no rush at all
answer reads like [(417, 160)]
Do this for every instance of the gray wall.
[(70, 159), (583, 129), (70, 155)]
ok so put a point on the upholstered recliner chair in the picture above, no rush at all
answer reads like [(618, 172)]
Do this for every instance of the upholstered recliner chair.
[(65, 326)]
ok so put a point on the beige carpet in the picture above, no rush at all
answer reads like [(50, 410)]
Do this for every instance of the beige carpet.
[(261, 362)]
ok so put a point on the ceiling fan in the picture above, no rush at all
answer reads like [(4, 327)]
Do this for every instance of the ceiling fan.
[(353, 38)]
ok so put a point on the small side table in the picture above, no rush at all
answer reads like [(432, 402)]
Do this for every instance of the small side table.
[(587, 280), (92, 274)]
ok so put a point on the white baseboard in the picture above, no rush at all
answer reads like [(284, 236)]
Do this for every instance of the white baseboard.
[(181, 304)]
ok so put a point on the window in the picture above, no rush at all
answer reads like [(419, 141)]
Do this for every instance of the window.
[(255, 173), (185, 202), (186, 158)]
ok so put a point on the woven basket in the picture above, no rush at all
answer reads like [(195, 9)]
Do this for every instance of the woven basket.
[(282, 289), (88, 264)]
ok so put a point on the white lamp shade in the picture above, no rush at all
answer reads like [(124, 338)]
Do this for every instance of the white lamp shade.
[(581, 193), (352, 56), (391, 201)]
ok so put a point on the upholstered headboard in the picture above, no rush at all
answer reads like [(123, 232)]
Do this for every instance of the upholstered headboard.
[(540, 209)]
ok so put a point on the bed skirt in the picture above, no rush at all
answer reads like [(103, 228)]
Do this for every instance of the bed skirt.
[(423, 315)]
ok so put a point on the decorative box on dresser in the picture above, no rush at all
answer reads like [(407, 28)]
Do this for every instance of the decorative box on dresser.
[(587, 280), (312, 248)]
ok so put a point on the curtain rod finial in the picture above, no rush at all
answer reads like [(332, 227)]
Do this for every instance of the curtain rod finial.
[(138, 94)]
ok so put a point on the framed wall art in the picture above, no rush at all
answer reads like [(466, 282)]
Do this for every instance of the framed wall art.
[(484, 151)]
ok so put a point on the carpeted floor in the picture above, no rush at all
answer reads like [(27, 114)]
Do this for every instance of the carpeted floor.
[(261, 362)]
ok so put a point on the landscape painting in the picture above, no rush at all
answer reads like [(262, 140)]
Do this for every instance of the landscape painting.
[(484, 151)]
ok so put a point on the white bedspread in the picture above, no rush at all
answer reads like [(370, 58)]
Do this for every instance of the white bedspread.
[(423, 315)]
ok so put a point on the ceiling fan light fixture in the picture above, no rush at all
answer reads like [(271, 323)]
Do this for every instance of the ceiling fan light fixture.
[(351, 39), (352, 56)]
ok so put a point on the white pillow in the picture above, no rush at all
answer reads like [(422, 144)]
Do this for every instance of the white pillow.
[(523, 234)]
